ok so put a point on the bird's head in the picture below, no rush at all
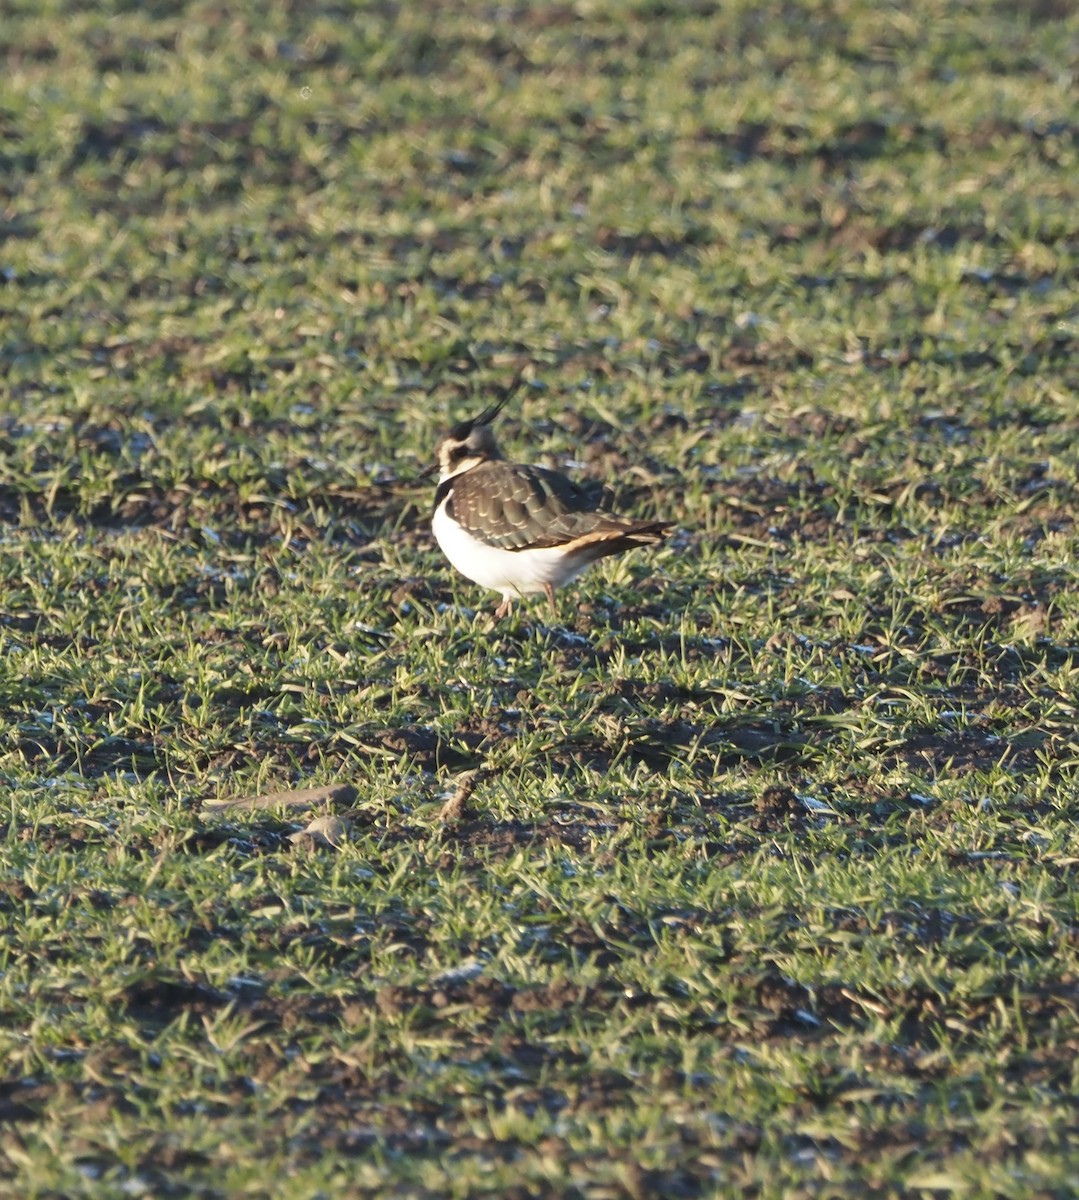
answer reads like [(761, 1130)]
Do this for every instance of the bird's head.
[(468, 444)]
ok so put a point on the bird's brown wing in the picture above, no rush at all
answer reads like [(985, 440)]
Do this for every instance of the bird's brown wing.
[(518, 507)]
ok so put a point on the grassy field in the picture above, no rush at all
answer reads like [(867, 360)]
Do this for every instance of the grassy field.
[(768, 884)]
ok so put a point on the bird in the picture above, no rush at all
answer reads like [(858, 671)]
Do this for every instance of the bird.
[(520, 529)]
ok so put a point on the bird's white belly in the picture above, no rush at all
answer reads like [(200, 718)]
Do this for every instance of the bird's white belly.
[(511, 572)]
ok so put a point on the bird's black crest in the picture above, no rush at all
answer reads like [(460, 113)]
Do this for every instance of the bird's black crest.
[(492, 410), (462, 429)]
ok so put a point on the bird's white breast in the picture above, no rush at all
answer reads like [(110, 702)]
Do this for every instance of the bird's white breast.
[(512, 572)]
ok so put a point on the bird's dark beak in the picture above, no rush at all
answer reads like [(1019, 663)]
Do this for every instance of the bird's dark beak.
[(428, 471)]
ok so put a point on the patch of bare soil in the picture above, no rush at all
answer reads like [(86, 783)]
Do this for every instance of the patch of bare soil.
[(938, 750)]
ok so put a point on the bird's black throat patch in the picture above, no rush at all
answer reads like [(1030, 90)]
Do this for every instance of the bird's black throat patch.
[(442, 491)]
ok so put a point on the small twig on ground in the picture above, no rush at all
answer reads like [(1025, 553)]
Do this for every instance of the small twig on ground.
[(332, 796), (456, 807)]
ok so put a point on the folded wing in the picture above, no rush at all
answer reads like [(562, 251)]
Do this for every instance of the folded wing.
[(518, 507)]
